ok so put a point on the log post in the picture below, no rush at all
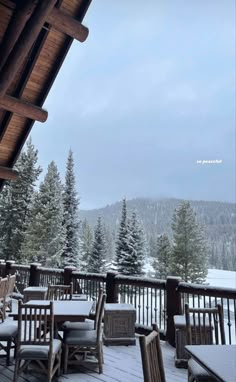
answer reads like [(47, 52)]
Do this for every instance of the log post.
[(173, 306), (68, 274), (111, 288), (8, 267), (34, 274), (24, 43)]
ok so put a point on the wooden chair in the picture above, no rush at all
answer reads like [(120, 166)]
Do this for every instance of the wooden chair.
[(87, 325), (60, 292), (204, 326), (3, 291), (77, 342), (44, 352), (152, 361), (8, 337)]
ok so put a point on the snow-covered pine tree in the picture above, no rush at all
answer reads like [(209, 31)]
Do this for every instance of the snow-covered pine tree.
[(162, 261), (189, 257), (135, 260), (87, 246), (122, 242), (71, 220), (15, 204), (96, 261), (45, 236)]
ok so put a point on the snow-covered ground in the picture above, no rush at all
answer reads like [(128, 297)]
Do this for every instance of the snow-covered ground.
[(217, 277)]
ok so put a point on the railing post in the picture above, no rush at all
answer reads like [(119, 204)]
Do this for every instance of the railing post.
[(8, 267), (111, 288), (173, 306), (68, 274), (34, 274)]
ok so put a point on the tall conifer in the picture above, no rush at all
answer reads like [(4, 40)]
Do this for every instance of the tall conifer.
[(15, 204), (189, 257), (71, 220)]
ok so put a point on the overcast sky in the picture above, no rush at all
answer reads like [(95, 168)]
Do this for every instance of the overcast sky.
[(150, 93)]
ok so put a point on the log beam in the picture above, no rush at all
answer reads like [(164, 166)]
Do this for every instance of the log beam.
[(24, 43), (23, 108), (21, 15), (68, 25), (8, 174)]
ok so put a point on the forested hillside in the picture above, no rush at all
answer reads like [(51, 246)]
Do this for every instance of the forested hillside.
[(217, 218)]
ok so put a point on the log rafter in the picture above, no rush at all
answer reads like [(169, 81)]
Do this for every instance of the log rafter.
[(8, 174)]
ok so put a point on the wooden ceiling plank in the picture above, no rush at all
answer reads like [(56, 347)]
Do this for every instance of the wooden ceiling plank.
[(23, 108), (8, 174), (17, 23), (68, 25), (24, 43)]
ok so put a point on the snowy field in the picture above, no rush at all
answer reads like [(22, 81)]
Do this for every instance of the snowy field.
[(217, 277)]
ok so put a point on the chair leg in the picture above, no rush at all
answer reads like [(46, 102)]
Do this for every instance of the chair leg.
[(8, 349), (17, 364), (65, 361), (100, 359)]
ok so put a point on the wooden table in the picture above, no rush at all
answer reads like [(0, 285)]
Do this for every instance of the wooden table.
[(64, 310), (218, 360)]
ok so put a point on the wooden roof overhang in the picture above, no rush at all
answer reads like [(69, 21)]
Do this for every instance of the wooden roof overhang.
[(35, 36)]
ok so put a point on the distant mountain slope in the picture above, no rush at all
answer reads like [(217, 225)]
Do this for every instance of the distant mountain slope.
[(219, 219)]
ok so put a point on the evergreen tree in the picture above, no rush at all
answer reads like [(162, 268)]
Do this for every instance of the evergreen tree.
[(71, 222), (122, 243), (189, 258), (135, 258), (45, 236), (162, 261), (15, 204), (96, 261), (87, 246)]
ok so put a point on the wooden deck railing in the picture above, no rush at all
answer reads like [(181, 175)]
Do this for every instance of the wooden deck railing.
[(155, 300)]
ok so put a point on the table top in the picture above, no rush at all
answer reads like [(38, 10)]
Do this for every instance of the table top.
[(119, 307), (64, 310), (218, 360), (35, 289)]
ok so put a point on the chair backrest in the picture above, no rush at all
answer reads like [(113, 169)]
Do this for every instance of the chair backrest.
[(34, 319), (3, 288), (151, 354), (60, 292), (98, 307), (205, 325), (100, 316), (11, 284)]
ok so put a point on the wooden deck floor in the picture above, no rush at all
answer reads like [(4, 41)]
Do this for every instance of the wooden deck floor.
[(122, 364)]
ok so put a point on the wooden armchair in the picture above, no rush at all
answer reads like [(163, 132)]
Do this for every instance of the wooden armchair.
[(152, 361), (89, 324), (204, 326), (42, 352), (60, 292), (76, 342)]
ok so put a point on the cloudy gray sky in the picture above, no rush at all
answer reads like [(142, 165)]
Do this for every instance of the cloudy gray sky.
[(150, 93)]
